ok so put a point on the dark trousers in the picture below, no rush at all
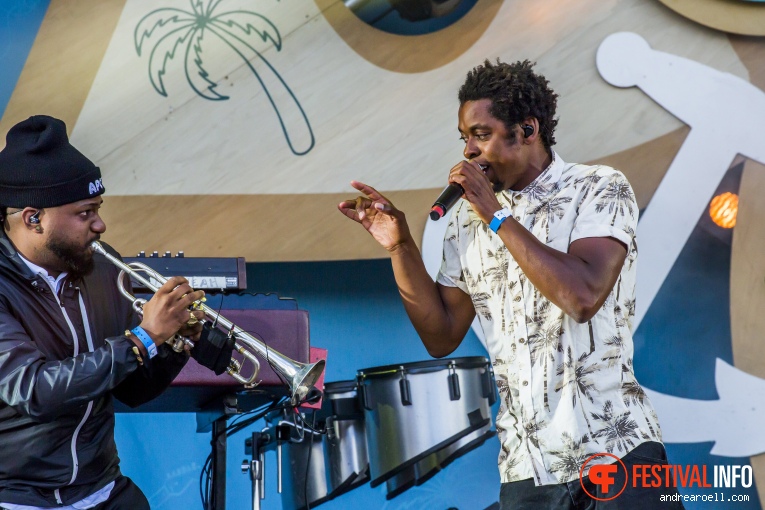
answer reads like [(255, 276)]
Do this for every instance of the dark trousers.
[(524, 495), (124, 496)]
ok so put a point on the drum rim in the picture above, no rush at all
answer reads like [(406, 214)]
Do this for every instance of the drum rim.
[(340, 386), (361, 479), (469, 446), (413, 367)]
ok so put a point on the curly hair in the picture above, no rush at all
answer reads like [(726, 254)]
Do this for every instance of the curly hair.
[(516, 93)]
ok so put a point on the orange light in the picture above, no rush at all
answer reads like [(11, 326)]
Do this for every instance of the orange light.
[(723, 210)]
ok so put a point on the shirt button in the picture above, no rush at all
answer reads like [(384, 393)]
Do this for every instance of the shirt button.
[(525, 383), (522, 340)]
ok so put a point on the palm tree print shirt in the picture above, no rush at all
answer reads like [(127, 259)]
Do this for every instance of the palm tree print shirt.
[(567, 390)]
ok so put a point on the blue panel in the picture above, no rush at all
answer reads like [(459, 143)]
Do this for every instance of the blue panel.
[(390, 16), (355, 313), (19, 22)]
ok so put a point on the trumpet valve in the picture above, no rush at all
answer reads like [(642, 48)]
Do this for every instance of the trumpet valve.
[(233, 367)]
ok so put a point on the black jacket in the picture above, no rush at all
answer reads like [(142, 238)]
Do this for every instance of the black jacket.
[(55, 393)]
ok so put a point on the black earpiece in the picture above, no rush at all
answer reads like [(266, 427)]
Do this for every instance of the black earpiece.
[(528, 130), (35, 218)]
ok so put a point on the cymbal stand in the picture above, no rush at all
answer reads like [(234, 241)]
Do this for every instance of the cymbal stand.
[(256, 465)]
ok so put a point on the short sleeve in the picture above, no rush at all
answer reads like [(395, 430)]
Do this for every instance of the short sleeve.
[(608, 209), (451, 274)]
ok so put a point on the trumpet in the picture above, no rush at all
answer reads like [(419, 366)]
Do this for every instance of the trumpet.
[(300, 377)]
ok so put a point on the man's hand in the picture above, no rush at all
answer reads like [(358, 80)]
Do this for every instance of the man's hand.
[(167, 312), (440, 320), (194, 331), (478, 189), (378, 216)]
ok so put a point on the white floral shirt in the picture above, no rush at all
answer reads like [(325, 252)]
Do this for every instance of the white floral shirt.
[(567, 390)]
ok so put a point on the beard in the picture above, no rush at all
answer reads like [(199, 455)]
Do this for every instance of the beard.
[(76, 260)]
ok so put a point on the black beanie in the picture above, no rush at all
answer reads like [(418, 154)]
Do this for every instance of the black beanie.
[(40, 168)]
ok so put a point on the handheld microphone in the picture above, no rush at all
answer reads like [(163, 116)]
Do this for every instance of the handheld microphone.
[(447, 199)]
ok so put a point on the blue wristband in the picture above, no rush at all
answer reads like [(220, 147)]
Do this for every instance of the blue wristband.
[(146, 340), (499, 218)]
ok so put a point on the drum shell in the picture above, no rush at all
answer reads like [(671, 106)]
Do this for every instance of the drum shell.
[(296, 489), (345, 443), (404, 427), (346, 451), (426, 468)]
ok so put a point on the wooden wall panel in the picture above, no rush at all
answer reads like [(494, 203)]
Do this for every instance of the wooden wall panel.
[(382, 109), (63, 62), (747, 285)]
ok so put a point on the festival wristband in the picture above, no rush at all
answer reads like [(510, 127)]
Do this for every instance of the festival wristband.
[(146, 340), (499, 218)]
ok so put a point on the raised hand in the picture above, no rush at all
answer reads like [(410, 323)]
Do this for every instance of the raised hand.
[(478, 189), (378, 216)]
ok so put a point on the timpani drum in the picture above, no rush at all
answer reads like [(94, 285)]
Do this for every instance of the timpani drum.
[(423, 470), (345, 443), (414, 410)]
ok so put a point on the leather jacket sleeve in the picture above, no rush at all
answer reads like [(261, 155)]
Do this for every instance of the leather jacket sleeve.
[(43, 389), (151, 379)]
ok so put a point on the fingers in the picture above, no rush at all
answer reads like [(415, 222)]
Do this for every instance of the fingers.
[(367, 190), (469, 175), (360, 208), (364, 209), (191, 332), (361, 205), (171, 310), (178, 289), (466, 168), (173, 283)]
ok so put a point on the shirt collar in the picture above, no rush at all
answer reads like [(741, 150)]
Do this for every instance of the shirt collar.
[(55, 283), (544, 185)]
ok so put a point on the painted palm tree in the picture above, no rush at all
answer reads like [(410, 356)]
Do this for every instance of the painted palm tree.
[(619, 431), (532, 427), (572, 456), (511, 461), (617, 198), (588, 182), (544, 343), (549, 211), (632, 254), (613, 356), (576, 377), (170, 33), (540, 187), (630, 306), (633, 393), (480, 300), (507, 384), (498, 279)]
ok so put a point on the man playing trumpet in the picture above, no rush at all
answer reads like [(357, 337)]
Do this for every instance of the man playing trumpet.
[(69, 342)]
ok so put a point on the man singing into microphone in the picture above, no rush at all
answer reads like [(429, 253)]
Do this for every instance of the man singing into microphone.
[(544, 252)]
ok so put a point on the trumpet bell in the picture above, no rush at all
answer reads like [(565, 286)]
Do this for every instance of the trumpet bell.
[(305, 379)]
